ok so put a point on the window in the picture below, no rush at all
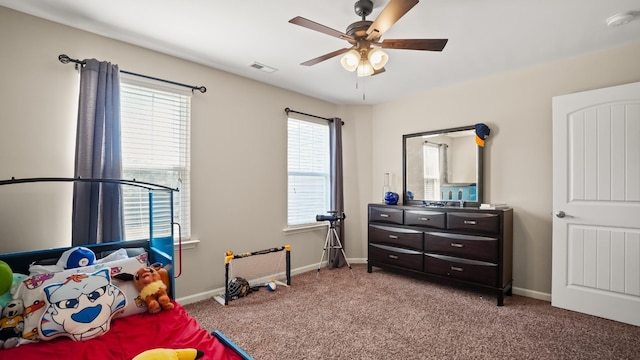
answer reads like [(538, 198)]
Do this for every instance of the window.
[(308, 171), (155, 148), (431, 157)]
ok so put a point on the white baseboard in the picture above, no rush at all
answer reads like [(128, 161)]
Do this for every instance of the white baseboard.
[(532, 294), (358, 261), (209, 294)]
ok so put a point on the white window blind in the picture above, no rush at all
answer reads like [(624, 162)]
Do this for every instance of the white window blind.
[(308, 171), (155, 148), (431, 154)]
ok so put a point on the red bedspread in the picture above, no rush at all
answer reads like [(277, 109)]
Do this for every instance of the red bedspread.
[(128, 337)]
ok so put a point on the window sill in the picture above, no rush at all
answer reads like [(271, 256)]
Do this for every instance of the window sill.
[(187, 244), (304, 228)]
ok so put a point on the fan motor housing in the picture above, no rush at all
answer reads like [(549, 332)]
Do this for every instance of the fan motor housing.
[(359, 29), (363, 7)]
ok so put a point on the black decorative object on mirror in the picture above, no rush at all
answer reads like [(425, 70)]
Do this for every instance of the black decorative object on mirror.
[(442, 168)]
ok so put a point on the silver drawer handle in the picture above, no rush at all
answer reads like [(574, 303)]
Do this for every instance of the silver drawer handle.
[(457, 245), (470, 222), (455, 268), (393, 237), (395, 257), (384, 215), (424, 219)]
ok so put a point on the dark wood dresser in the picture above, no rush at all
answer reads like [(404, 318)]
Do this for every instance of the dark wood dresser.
[(465, 245)]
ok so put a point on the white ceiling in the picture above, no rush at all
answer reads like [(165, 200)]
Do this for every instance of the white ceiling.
[(485, 37)]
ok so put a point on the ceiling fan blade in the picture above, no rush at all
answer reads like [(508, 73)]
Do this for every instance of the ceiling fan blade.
[(389, 15), (379, 71), (298, 20), (325, 57), (413, 44)]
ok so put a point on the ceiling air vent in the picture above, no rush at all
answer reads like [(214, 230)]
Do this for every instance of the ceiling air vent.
[(263, 67)]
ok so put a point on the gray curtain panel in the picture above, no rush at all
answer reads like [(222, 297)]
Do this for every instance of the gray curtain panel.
[(444, 171), (336, 259), (97, 207)]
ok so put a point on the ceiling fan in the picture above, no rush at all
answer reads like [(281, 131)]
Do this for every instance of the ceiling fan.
[(365, 56)]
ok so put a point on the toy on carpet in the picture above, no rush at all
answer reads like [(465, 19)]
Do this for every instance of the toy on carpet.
[(271, 285), (170, 354), (153, 284), (76, 257), (239, 287), (11, 324)]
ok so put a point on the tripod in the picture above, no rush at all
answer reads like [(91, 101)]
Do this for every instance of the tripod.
[(332, 242)]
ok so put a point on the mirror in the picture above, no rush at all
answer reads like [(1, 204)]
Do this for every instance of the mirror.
[(442, 168)]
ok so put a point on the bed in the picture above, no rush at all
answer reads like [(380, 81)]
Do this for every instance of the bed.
[(129, 329)]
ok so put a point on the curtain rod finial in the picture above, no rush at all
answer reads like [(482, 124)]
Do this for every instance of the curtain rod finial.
[(64, 59)]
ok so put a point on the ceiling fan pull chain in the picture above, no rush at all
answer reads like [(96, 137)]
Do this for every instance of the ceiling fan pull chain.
[(364, 95), (358, 79)]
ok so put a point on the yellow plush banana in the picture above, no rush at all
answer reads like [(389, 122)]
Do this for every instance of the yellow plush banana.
[(169, 354)]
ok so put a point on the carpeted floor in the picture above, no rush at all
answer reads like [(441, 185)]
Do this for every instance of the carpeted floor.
[(383, 315)]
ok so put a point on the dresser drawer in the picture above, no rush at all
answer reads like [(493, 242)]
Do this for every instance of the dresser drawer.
[(395, 236), (432, 219), (474, 222), (402, 258), (461, 269), (386, 215), (467, 246)]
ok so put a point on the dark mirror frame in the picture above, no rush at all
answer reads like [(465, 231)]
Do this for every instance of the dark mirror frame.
[(479, 170)]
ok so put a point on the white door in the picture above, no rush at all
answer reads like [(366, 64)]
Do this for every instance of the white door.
[(596, 203)]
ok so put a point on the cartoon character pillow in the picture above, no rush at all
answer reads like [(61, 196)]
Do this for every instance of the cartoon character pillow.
[(81, 307), (31, 291)]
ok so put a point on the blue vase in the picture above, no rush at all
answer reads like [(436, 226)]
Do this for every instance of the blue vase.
[(391, 198)]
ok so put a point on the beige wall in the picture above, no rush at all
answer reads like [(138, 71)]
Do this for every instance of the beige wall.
[(239, 148), (239, 143), (517, 108)]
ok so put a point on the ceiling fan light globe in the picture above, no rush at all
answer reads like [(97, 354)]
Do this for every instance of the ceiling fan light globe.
[(378, 58), (364, 68), (350, 60)]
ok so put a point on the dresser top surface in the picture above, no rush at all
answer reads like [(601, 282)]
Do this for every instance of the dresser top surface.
[(439, 208)]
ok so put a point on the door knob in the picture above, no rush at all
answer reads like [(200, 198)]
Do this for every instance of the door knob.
[(560, 214)]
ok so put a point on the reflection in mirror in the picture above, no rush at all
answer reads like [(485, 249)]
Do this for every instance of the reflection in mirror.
[(442, 167)]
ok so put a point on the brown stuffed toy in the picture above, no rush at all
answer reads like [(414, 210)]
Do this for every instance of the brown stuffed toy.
[(153, 284)]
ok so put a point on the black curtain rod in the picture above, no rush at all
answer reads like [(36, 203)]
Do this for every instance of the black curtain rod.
[(287, 110), (134, 182), (65, 59)]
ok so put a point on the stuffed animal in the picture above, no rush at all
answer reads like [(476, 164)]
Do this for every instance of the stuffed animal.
[(170, 354), (8, 296), (11, 324), (6, 277), (153, 284), (76, 257)]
